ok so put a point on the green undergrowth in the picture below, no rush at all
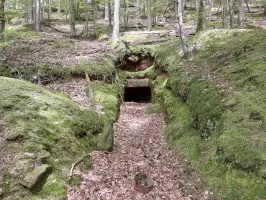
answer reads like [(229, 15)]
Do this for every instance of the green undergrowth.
[(215, 108), (14, 34), (104, 70), (44, 128)]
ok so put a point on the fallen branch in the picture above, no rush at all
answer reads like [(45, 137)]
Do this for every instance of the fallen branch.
[(81, 159), (54, 28), (74, 165)]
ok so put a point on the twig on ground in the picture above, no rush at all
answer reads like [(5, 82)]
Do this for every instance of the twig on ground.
[(54, 28), (81, 159), (74, 165)]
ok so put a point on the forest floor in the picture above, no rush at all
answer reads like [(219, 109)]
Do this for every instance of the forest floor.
[(139, 147), (262, 23)]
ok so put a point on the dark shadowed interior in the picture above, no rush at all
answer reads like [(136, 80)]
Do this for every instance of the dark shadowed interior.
[(137, 94)]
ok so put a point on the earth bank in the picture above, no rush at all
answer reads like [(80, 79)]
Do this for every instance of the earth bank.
[(213, 101)]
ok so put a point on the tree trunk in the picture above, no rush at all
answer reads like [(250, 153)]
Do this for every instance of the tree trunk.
[(72, 17), (138, 11), (181, 28), (49, 9), (38, 16), (155, 17), (201, 17), (32, 11), (86, 29), (59, 8), (149, 22), (77, 11), (241, 13), (94, 17), (2, 19), (231, 13), (106, 12), (125, 14), (246, 1), (224, 13), (110, 13), (209, 10), (115, 36), (197, 5), (265, 9)]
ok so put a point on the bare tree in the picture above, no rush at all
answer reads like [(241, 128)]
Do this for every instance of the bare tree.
[(115, 36), (181, 27), (224, 13), (149, 21), (201, 25), (126, 14), (138, 11), (2, 19), (265, 8), (241, 13), (106, 11), (49, 9), (86, 29), (110, 13), (94, 17), (209, 9), (72, 17), (59, 8), (38, 16), (231, 13)]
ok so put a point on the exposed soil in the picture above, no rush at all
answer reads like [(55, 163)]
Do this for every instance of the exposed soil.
[(139, 147)]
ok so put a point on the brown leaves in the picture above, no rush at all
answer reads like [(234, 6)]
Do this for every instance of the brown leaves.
[(75, 89), (139, 148)]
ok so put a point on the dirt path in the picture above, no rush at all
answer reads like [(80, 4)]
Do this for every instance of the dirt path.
[(139, 147)]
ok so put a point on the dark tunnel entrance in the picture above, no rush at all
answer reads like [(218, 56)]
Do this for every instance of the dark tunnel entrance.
[(138, 94)]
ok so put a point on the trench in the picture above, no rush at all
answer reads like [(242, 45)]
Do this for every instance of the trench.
[(139, 148), (139, 151)]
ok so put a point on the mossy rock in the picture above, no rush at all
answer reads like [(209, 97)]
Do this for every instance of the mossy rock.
[(55, 132), (103, 37), (34, 178), (107, 98), (105, 139)]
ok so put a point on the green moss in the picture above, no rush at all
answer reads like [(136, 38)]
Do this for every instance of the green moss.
[(153, 109), (47, 122), (107, 98), (99, 70), (226, 67), (44, 71), (103, 37), (105, 139), (205, 106), (151, 73), (14, 34)]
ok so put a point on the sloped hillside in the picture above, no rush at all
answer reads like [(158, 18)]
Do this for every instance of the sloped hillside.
[(44, 133), (214, 103)]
